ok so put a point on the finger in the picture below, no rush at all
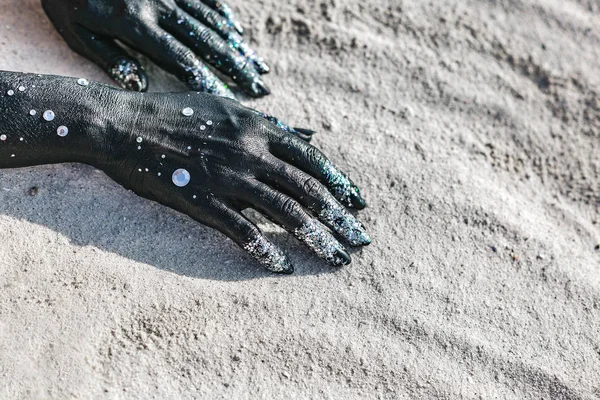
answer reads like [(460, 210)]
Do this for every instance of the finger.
[(226, 12), (312, 161), (179, 60), (248, 236), (304, 134), (215, 51), (215, 21), (286, 212), (108, 55), (313, 195)]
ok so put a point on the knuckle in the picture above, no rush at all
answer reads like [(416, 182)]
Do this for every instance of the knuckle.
[(287, 206), (313, 155), (182, 55), (311, 187)]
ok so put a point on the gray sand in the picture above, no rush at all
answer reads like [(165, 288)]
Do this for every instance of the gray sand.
[(473, 128)]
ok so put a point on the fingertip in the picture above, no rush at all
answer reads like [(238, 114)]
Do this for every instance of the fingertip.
[(363, 239), (238, 27), (140, 84), (287, 271), (357, 201), (308, 132), (262, 67), (341, 257), (259, 89), (128, 74), (269, 255)]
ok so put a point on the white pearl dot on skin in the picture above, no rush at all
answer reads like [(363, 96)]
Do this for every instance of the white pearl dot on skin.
[(48, 115), (139, 147), (10, 92), (209, 122), (139, 169), (21, 139), (3, 137), (83, 82), (12, 155), (146, 169), (188, 112), (21, 88), (181, 177), (139, 140), (163, 156), (62, 131), (32, 112), (189, 147), (159, 174), (202, 127), (194, 196)]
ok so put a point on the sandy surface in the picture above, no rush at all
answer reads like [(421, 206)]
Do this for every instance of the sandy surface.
[(473, 128)]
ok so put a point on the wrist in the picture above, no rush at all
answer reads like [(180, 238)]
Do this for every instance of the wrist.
[(51, 119)]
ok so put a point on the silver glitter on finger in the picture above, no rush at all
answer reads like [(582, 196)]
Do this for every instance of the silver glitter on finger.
[(236, 42), (181, 177), (48, 115), (128, 75), (201, 79), (341, 221), (319, 240), (268, 255), (341, 186)]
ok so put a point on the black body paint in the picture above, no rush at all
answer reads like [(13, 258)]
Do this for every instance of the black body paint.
[(203, 155), (175, 34)]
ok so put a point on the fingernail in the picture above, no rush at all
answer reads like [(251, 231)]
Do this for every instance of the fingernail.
[(356, 199), (261, 66), (269, 256), (129, 75), (307, 132), (324, 244), (344, 223), (238, 27), (342, 188), (342, 258), (259, 88)]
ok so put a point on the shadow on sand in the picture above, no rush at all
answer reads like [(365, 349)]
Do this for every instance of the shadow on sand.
[(84, 205)]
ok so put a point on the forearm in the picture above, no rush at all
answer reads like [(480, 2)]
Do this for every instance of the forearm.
[(52, 119)]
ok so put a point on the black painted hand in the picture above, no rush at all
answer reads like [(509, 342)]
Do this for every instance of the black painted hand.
[(203, 155), (175, 34), (211, 158)]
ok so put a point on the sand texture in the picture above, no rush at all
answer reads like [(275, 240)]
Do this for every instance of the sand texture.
[(472, 127)]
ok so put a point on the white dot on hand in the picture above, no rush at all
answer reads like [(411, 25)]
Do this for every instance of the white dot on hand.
[(62, 131), (181, 177), (48, 115)]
